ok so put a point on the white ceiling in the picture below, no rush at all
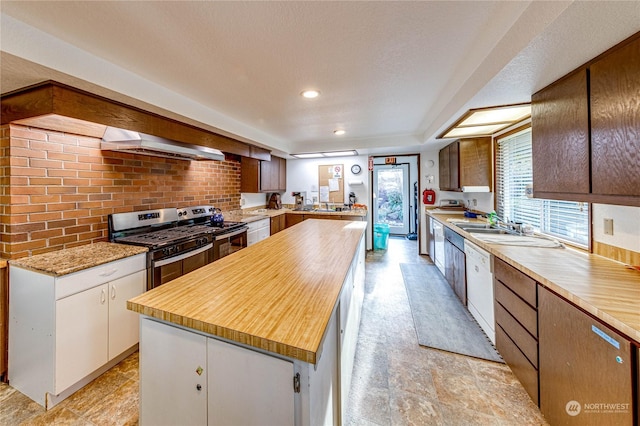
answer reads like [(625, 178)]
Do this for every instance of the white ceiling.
[(392, 74)]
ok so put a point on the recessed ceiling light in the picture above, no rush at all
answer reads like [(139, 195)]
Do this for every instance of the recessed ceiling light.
[(310, 94), (340, 153), (326, 154), (339, 132)]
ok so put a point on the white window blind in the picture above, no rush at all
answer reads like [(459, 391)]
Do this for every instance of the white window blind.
[(567, 220)]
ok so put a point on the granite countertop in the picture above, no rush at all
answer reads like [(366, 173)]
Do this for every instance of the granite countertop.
[(282, 303), (608, 290), (271, 213), (67, 261)]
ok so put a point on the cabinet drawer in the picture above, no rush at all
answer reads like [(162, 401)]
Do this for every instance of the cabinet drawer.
[(259, 224), (92, 277), (521, 284), (523, 313), (528, 344), (519, 364)]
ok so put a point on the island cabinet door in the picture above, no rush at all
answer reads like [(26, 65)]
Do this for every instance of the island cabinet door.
[(248, 388), (173, 378)]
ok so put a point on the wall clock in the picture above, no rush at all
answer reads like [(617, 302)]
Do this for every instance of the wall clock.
[(356, 169)]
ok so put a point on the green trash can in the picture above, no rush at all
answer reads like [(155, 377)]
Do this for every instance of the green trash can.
[(380, 236)]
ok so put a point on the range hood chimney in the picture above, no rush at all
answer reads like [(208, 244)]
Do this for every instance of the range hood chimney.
[(121, 140)]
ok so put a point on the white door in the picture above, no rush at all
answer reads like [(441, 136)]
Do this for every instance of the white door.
[(173, 375), (123, 323), (81, 335), (391, 192), (248, 388)]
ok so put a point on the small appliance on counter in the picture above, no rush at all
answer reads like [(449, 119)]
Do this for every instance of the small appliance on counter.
[(217, 218), (299, 200), (275, 203), (451, 205)]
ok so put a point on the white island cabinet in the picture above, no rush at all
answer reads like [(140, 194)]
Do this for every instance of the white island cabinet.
[(231, 345), (66, 330)]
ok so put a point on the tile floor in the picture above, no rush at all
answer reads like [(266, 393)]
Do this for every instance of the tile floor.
[(395, 382)]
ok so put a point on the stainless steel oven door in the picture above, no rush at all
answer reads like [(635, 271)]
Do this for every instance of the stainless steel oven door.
[(165, 270), (225, 244)]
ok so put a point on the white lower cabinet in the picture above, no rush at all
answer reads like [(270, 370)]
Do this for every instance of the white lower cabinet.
[(173, 375), (189, 378), (66, 330), (258, 231), (82, 327), (263, 383)]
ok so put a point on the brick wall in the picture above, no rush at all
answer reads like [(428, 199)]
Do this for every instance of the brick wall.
[(57, 189)]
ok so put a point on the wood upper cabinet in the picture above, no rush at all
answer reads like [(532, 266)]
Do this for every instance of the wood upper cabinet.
[(586, 131), (560, 133), (444, 168), (466, 162), (615, 122), (263, 176)]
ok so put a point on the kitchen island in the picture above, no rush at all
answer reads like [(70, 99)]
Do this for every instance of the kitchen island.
[(264, 336)]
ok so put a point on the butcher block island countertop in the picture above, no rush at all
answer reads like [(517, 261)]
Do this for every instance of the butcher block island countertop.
[(67, 261), (277, 295), (608, 290)]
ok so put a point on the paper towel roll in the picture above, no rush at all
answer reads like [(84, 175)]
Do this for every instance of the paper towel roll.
[(475, 189)]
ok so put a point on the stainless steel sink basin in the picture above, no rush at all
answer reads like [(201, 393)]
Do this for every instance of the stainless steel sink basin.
[(468, 226), (486, 231), (324, 211)]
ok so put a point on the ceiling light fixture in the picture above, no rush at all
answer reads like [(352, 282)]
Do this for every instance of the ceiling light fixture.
[(348, 153), (310, 94), (487, 121), (339, 132)]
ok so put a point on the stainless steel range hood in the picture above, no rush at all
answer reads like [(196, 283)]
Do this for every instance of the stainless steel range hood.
[(122, 140)]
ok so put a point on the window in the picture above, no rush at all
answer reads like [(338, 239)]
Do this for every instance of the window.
[(565, 220)]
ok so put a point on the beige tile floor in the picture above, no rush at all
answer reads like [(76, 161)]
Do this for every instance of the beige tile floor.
[(396, 382)]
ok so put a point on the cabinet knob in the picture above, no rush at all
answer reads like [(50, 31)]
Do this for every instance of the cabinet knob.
[(199, 387)]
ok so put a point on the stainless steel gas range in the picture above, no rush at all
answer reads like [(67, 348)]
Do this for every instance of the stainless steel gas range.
[(179, 240)]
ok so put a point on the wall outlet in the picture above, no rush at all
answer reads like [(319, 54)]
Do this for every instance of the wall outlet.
[(608, 227)]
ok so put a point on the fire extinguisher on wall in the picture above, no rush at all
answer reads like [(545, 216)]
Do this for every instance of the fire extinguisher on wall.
[(429, 196)]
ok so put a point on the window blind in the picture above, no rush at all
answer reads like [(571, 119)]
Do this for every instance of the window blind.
[(567, 220)]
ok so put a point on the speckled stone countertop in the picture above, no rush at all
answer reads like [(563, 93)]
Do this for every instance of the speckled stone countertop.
[(271, 213), (67, 261)]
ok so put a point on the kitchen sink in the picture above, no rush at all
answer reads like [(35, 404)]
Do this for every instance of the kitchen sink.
[(486, 231), (324, 211)]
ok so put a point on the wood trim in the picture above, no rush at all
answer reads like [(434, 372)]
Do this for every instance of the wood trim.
[(616, 253), (4, 319), (51, 98)]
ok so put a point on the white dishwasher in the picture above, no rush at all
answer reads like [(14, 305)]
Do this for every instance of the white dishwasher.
[(480, 287)]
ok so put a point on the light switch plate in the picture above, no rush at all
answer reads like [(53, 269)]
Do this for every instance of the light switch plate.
[(608, 227)]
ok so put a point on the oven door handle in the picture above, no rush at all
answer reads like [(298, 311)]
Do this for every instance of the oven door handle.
[(182, 256), (231, 234)]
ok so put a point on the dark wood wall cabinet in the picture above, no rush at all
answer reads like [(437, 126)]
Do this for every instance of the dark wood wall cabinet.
[(584, 365), (586, 131), (465, 162), (516, 316), (263, 176)]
